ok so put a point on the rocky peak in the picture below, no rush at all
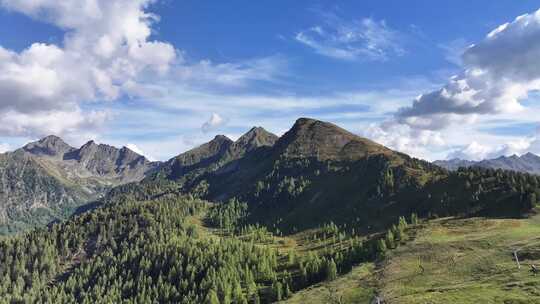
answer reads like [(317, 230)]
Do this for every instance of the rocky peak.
[(254, 138), (51, 145)]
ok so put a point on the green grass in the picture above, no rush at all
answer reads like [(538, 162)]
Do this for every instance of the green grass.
[(465, 261), (446, 260), (358, 286)]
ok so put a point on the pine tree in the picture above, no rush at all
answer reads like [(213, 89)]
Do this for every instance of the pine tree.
[(331, 270), (389, 239), (381, 248), (414, 219)]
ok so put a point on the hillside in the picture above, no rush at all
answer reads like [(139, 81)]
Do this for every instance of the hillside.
[(446, 260), (527, 163), (176, 249), (48, 179), (318, 172)]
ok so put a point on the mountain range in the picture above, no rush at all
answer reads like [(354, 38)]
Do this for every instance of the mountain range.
[(297, 178), (527, 163), (48, 179), (318, 172), (318, 215)]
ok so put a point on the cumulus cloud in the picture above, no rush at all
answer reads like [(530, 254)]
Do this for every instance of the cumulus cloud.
[(107, 52), (417, 142), (106, 46), (476, 151), (213, 123), (38, 124), (499, 72), (366, 39)]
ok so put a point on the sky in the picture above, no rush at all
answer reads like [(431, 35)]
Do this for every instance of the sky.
[(434, 79)]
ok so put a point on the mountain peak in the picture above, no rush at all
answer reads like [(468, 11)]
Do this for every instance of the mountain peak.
[(528, 162), (51, 145), (221, 138), (50, 139), (323, 140), (210, 150), (254, 138), (89, 144), (530, 155)]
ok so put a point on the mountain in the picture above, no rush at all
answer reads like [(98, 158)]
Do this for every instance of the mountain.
[(313, 139), (527, 163), (319, 215), (318, 172), (48, 179), (216, 153)]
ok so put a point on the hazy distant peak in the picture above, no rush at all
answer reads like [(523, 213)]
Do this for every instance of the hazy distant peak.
[(529, 163)]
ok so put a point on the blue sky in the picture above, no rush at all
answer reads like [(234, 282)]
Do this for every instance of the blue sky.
[(164, 76)]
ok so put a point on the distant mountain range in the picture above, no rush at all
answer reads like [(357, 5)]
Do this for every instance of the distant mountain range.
[(527, 163), (48, 179)]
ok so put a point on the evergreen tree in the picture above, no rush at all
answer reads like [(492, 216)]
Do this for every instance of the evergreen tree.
[(331, 270)]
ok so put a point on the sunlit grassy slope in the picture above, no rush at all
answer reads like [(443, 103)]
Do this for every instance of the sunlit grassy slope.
[(358, 286), (448, 261), (466, 261)]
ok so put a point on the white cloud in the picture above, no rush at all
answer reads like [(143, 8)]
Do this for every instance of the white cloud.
[(213, 123), (106, 46), (38, 124), (107, 52), (4, 148), (136, 149), (499, 72), (420, 143), (366, 39), (232, 74), (476, 151), (472, 151)]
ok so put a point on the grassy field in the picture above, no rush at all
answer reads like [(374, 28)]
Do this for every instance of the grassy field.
[(449, 261), (446, 261), (358, 286), (465, 261)]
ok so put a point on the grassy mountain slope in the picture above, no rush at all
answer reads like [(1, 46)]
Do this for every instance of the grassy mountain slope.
[(172, 248), (33, 194), (449, 260), (318, 172)]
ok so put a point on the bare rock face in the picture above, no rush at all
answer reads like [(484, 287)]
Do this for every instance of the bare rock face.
[(50, 146), (50, 178)]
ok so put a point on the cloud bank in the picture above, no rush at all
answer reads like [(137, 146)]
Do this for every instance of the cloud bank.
[(499, 72)]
